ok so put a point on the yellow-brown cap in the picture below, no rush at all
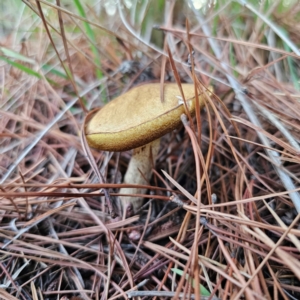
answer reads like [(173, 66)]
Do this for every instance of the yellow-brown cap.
[(139, 117)]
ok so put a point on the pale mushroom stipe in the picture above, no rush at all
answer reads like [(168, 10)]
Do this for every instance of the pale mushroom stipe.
[(136, 120)]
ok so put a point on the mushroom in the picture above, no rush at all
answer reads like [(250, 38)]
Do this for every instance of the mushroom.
[(136, 120)]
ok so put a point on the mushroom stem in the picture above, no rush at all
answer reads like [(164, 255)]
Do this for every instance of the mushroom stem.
[(138, 172)]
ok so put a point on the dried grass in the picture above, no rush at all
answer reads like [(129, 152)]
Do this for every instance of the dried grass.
[(222, 210)]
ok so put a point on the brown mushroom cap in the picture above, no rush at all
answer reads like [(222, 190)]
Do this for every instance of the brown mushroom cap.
[(139, 116)]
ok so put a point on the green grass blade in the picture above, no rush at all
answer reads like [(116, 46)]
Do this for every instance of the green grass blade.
[(15, 55), (50, 69), (21, 67), (292, 67), (203, 290), (90, 33)]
